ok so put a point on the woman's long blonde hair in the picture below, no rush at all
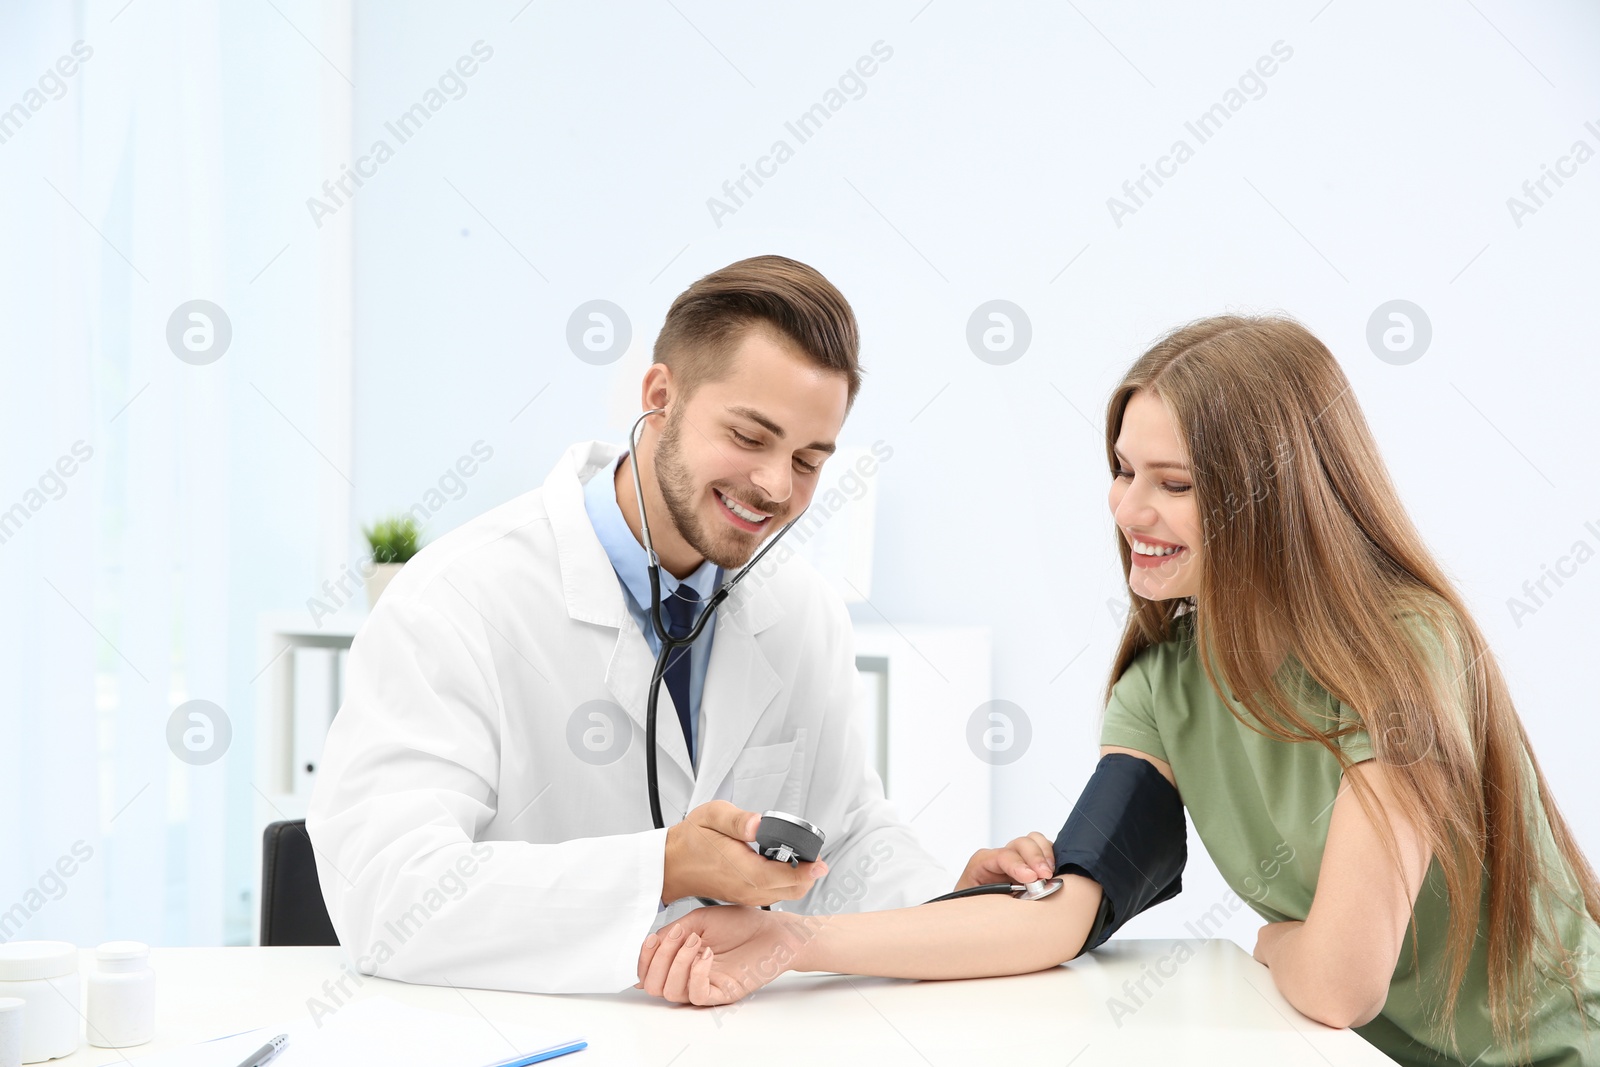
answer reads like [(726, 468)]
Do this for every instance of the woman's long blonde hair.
[(1307, 545)]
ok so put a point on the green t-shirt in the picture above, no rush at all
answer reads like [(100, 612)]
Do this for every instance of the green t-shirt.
[(1262, 807)]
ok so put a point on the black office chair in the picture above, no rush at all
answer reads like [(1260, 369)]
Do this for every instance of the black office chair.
[(292, 911)]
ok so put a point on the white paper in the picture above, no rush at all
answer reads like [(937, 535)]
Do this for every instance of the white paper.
[(374, 1029)]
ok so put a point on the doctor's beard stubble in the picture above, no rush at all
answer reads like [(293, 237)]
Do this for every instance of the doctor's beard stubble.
[(729, 551)]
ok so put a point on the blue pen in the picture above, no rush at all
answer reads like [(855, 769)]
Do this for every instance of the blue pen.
[(543, 1054)]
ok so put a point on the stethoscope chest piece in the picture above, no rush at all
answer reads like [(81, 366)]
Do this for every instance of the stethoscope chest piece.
[(1037, 889)]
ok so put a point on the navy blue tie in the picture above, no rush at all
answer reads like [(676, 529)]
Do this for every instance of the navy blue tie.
[(681, 610)]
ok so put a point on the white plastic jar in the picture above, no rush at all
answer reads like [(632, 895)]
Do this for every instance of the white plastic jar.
[(11, 1031), (44, 974), (122, 995)]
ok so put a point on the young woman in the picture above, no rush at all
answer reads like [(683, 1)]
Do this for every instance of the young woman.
[(1300, 668)]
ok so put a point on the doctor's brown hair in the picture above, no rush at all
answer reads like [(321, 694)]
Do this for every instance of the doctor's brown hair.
[(708, 319), (1306, 541)]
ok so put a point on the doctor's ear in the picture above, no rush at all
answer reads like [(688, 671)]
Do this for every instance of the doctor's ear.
[(659, 390)]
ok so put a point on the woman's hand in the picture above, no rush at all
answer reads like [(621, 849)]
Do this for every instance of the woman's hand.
[(1023, 860), (1268, 937), (716, 955)]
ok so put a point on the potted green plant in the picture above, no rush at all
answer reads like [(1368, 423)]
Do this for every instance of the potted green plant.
[(393, 541)]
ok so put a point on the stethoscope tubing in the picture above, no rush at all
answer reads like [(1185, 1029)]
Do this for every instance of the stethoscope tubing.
[(670, 644), (1036, 890)]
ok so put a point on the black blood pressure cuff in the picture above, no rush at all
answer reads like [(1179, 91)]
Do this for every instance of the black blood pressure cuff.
[(1127, 833)]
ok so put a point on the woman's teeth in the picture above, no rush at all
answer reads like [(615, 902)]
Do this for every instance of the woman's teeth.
[(1153, 550)]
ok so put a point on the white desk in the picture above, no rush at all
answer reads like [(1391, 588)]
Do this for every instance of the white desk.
[(1220, 1007)]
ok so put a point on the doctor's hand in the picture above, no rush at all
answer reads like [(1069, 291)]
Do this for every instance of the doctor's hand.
[(1023, 860), (718, 955), (708, 855)]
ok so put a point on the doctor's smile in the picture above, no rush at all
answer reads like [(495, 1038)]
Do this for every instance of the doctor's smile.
[(742, 517)]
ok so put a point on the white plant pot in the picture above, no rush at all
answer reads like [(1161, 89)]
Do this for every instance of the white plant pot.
[(382, 574)]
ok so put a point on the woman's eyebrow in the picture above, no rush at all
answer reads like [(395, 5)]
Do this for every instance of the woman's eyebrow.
[(1160, 464)]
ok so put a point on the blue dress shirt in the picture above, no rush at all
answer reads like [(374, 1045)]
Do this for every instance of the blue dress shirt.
[(628, 560)]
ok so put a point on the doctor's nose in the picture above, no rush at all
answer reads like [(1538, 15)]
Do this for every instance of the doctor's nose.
[(774, 482)]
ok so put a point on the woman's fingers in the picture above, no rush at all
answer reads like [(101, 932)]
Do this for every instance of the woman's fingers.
[(1029, 857), (727, 989), (647, 952), (702, 989), (676, 986), (1045, 862), (655, 975), (1020, 861)]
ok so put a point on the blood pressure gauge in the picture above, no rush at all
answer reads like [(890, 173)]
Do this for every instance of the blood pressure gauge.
[(788, 838)]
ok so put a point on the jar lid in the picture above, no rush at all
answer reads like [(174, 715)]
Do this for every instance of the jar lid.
[(27, 961), (122, 950)]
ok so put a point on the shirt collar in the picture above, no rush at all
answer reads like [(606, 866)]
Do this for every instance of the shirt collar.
[(625, 550)]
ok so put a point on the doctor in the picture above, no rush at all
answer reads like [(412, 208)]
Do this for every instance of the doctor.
[(481, 815)]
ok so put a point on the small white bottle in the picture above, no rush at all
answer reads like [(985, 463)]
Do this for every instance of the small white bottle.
[(122, 995)]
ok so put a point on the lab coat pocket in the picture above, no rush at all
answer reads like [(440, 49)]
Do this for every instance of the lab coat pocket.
[(767, 777)]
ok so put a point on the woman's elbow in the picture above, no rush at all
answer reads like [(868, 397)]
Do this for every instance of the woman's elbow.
[(1345, 1006)]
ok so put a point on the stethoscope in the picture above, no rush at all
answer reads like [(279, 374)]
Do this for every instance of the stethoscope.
[(1037, 889), (669, 644), (773, 822)]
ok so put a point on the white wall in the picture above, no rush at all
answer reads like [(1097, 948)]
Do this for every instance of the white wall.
[(170, 166), (1375, 165), (975, 165)]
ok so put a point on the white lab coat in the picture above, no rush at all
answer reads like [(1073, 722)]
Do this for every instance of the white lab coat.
[(459, 838)]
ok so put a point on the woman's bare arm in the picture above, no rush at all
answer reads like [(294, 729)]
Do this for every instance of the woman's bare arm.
[(1335, 967), (974, 937), (718, 955)]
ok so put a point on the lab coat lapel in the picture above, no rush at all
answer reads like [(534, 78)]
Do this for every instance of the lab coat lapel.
[(628, 678), (740, 683), (589, 585), (594, 595)]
